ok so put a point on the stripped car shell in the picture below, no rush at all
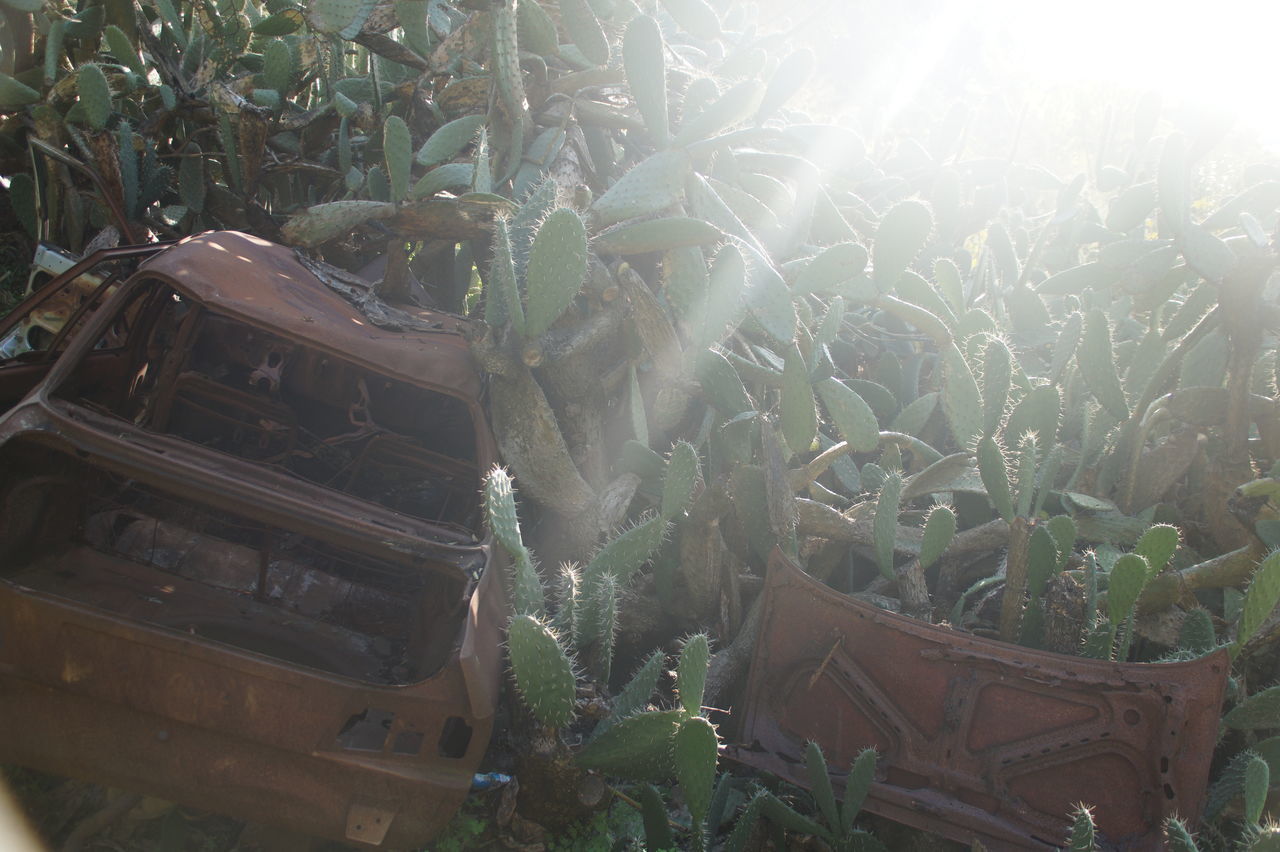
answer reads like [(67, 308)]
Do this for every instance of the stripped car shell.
[(242, 564), (977, 739)]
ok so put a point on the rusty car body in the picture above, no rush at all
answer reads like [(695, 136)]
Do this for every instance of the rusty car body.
[(978, 739), (242, 564)]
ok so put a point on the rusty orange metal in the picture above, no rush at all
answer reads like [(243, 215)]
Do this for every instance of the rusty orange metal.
[(978, 739), (241, 564)]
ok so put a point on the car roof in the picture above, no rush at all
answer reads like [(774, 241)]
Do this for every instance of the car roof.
[(269, 286)]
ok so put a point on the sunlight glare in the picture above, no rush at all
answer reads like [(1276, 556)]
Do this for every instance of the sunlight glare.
[(1209, 55)]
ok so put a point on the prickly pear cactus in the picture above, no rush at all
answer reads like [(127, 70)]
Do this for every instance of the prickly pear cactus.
[(543, 671)]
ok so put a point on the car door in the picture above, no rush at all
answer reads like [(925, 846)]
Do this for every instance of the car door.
[(35, 333)]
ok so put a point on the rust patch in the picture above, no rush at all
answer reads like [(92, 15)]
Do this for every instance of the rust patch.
[(978, 739)]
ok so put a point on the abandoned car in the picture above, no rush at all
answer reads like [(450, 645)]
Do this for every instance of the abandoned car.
[(242, 563)]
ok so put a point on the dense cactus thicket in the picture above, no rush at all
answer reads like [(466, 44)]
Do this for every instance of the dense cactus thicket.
[(1039, 407)]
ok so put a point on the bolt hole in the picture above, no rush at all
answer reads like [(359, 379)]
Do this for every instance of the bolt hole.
[(1132, 717)]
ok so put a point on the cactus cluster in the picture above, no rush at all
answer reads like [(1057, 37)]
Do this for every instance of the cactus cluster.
[(870, 360)]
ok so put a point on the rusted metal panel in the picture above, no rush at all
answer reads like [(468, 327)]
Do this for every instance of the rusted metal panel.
[(265, 284), (185, 613), (977, 738)]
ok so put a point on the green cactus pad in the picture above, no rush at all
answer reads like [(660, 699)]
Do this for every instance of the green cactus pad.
[(995, 477), (95, 95), (939, 528), (535, 29), (733, 107), (1025, 474), (556, 269), (1128, 577), (852, 415), (723, 307), (695, 17), (1081, 838), (626, 553), (656, 235), (643, 57), (827, 271), (124, 51), (1178, 838), (635, 696), (449, 140), (504, 304), (789, 78), (856, 787), (1261, 599), (691, 672), (543, 672), (344, 17), (681, 478), (695, 751), (902, 232), (1097, 365), (651, 187), (447, 176), (815, 766), (961, 399), (605, 602), (637, 747), (500, 510), (885, 525), (1157, 545), (397, 151), (1038, 413), (584, 28)]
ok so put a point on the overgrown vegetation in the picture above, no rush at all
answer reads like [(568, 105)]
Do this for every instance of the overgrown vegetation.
[(1034, 406)]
